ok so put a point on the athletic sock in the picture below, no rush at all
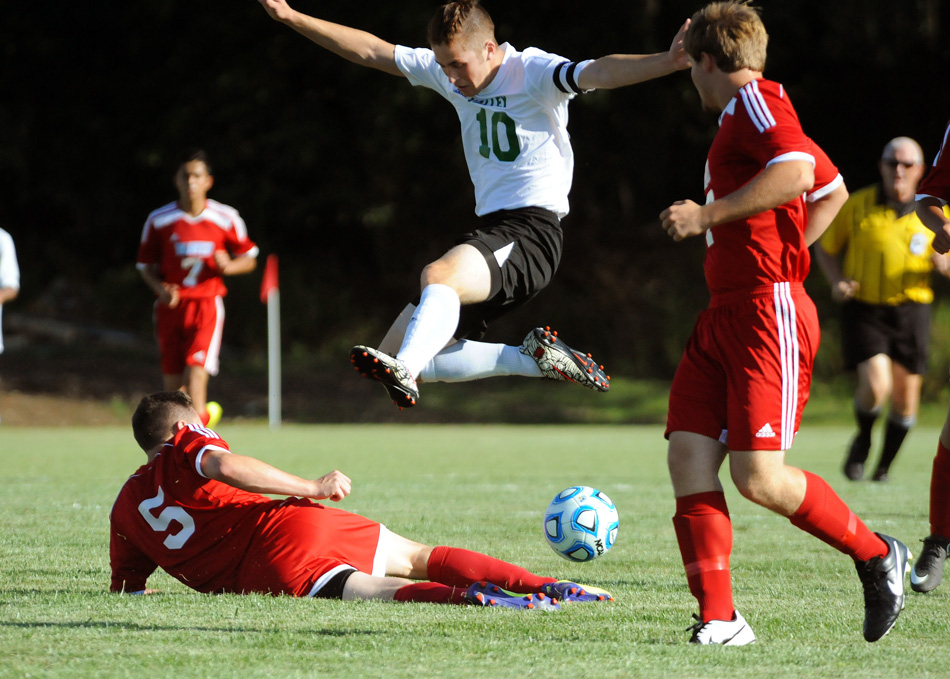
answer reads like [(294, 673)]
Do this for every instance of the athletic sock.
[(940, 493), (467, 360), (205, 417), (430, 592), (826, 516), (704, 533), (894, 435), (861, 444), (461, 567), (431, 327)]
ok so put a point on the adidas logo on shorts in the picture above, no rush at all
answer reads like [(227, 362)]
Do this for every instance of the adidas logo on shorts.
[(766, 432)]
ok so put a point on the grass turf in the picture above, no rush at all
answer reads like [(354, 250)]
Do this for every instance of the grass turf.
[(479, 487)]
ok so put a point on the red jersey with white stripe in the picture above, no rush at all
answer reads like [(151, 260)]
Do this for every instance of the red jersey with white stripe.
[(937, 182), (757, 128), (216, 538), (183, 246), (169, 514)]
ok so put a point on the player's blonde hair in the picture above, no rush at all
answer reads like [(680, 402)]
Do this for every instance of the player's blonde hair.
[(155, 417), (465, 19), (731, 32)]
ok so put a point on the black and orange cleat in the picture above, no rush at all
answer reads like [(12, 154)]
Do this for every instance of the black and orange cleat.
[(558, 361), (390, 371)]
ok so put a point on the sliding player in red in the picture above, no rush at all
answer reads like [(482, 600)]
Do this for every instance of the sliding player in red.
[(196, 510)]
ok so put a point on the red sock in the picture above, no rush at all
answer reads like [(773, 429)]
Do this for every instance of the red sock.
[(704, 533), (205, 417), (940, 493), (826, 516), (461, 567), (430, 593)]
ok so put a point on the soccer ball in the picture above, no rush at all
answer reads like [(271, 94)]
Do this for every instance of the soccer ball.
[(581, 523)]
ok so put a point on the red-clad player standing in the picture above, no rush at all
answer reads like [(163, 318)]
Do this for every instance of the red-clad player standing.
[(186, 249), (195, 509), (744, 377), (932, 195)]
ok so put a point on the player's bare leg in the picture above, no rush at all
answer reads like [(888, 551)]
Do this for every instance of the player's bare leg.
[(365, 586), (196, 382)]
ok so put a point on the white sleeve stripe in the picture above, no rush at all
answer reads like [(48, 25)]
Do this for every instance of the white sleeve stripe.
[(792, 155), (201, 454), (818, 194), (755, 104)]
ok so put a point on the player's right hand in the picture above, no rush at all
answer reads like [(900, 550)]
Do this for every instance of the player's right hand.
[(333, 486), (170, 296)]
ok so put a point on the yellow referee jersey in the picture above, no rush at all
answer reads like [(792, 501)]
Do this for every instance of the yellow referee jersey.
[(888, 255)]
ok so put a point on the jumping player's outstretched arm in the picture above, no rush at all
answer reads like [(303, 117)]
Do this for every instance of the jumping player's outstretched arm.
[(619, 70), (352, 44), (256, 476)]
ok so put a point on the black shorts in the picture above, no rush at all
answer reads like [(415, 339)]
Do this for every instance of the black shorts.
[(522, 249), (901, 331)]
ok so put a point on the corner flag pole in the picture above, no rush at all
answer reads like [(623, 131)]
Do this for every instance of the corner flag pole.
[(270, 295)]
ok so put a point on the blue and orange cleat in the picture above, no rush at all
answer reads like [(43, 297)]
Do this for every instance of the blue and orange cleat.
[(486, 594)]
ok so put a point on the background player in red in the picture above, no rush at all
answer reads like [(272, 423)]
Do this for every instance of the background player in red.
[(745, 373), (196, 510), (932, 197), (186, 249)]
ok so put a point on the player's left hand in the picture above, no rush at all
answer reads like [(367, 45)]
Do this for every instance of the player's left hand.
[(333, 486), (682, 219)]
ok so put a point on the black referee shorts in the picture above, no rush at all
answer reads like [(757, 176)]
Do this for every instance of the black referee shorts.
[(900, 331), (522, 248)]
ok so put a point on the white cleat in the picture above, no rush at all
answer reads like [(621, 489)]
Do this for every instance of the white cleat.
[(735, 632)]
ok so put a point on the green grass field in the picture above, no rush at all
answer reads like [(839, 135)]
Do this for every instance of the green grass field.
[(479, 487)]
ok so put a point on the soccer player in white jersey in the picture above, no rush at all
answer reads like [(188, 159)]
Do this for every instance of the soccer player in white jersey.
[(512, 106)]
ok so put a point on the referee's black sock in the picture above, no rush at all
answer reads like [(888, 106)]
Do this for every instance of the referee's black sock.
[(894, 435), (861, 445)]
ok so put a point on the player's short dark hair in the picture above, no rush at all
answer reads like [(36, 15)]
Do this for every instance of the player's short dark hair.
[(465, 18), (731, 32), (192, 154), (156, 415)]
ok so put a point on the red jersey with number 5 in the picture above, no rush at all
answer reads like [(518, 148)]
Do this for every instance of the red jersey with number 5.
[(183, 246), (759, 127), (169, 514)]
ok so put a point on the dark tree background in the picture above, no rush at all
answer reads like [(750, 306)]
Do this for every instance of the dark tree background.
[(356, 180)]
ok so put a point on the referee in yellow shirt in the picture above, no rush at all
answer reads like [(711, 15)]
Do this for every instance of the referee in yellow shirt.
[(877, 258)]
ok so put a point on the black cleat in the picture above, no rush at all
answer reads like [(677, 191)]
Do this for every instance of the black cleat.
[(883, 580), (559, 362), (390, 371), (928, 571)]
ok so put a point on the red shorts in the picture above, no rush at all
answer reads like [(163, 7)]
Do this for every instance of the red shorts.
[(746, 371), (304, 544), (190, 334)]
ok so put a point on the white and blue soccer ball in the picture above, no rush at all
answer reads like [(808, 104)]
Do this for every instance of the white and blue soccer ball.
[(581, 523)]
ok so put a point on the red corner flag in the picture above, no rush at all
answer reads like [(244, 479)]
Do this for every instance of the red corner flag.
[(269, 282)]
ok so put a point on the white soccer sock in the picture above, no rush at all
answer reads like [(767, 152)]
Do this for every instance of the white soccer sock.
[(431, 327), (466, 360)]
